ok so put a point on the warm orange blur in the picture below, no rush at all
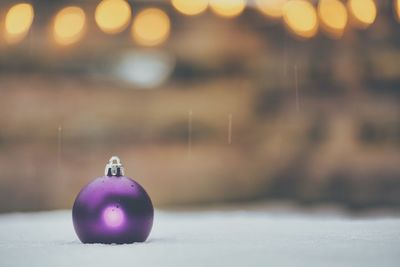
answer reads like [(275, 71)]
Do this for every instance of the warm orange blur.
[(69, 25), (301, 18), (363, 12), (113, 16), (396, 7), (151, 27), (18, 21), (271, 8), (191, 7), (333, 17), (228, 8)]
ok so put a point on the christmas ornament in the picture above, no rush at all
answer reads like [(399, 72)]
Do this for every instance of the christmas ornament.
[(113, 209)]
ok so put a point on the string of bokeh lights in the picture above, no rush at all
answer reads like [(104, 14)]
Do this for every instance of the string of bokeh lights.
[(151, 26)]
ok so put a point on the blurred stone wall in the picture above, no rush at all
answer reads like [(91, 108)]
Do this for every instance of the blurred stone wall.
[(248, 113)]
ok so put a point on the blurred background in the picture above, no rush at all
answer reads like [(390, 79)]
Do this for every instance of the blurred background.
[(206, 102)]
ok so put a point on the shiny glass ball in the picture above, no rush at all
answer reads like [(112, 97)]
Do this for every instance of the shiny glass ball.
[(113, 209)]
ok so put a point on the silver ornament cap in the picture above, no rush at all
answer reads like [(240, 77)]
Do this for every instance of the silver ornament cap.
[(114, 167)]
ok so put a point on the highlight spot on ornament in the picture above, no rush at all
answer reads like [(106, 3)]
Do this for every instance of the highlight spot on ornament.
[(113, 217)]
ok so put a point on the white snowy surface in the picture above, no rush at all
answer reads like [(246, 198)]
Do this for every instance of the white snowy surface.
[(208, 239)]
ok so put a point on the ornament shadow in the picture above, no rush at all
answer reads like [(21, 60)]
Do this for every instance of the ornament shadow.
[(149, 241)]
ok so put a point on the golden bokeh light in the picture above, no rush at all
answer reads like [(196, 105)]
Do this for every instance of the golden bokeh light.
[(69, 25), (113, 16), (227, 8), (333, 17), (363, 12), (300, 18), (396, 7), (271, 8), (190, 7), (18, 21), (151, 27)]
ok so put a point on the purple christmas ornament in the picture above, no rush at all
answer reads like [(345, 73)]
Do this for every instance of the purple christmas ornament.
[(113, 209)]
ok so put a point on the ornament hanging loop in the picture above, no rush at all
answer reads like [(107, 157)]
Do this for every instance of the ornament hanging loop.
[(114, 167)]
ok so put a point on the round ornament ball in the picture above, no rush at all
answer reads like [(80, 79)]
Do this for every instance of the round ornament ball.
[(113, 209)]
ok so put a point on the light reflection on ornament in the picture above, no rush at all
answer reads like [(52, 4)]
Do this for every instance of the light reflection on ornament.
[(113, 216)]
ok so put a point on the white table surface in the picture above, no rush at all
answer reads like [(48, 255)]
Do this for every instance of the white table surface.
[(208, 239)]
